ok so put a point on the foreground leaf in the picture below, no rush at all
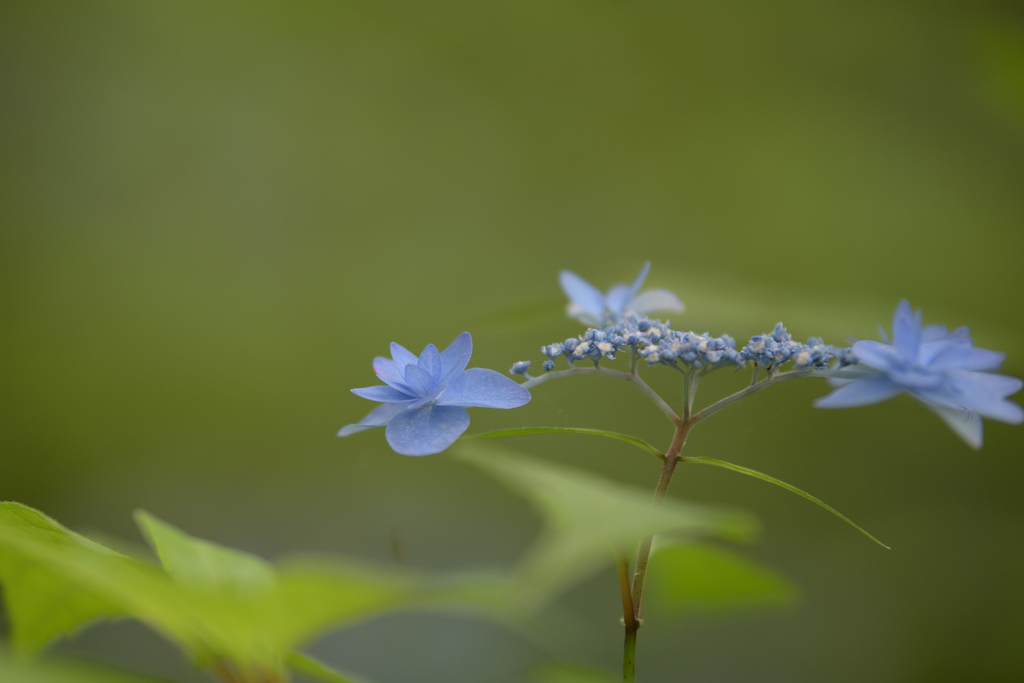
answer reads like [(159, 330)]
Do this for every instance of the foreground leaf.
[(703, 577), (226, 609), (46, 571), (570, 673), (589, 520), (15, 671), (788, 487), (317, 670)]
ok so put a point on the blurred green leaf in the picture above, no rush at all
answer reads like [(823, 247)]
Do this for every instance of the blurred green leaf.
[(15, 671), (588, 520), (40, 567), (203, 565), (317, 670), (225, 608), (529, 431), (703, 577), (570, 673), (788, 487)]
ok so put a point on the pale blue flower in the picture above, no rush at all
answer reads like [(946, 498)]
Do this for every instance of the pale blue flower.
[(588, 305), (941, 369), (424, 399)]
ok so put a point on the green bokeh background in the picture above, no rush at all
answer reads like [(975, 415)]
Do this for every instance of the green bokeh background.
[(213, 215)]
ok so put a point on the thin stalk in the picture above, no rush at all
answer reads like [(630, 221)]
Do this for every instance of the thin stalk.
[(687, 381), (643, 555), (630, 377), (630, 621), (671, 458), (765, 383)]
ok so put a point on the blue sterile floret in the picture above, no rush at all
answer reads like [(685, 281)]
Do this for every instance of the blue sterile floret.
[(424, 398), (592, 307), (942, 369)]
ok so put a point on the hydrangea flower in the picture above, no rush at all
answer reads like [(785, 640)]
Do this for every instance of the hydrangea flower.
[(588, 305), (424, 399), (942, 369), (658, 344)]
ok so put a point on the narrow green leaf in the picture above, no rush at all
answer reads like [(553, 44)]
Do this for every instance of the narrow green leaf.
[(588, 520), (528, 431), (703, 577), (788, 487), (317, 670)]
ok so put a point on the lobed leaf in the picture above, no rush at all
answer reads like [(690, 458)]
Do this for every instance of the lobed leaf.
[(570, 673), (687, 577), (589, 520), (317, 670), (20, 671), (49, 575), (225, 608)]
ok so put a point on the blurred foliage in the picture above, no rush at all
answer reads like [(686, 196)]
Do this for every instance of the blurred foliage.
[(233, 613), (216, 214)]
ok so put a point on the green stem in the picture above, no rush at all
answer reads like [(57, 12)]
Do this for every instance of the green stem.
[(643, 556), (631, 377), (630, 621), (767, 382)]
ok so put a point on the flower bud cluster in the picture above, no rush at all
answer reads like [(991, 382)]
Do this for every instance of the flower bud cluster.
[(657, 343), (777, 347)]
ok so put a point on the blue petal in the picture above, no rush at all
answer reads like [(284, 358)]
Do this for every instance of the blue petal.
[(483, 388), (387, 372), (877, 355), (986, 394), (966, 424), (932, 333), (959, 354), (916, 379), (962, 332), (378, 417), (383, 394), (860, 392), (906, 330), (426, 430), (419, 380), (386, 369), (638, 281), (584, 295), (456, 357), (617, 298), (430, 360), (402, 356), (655, 300)]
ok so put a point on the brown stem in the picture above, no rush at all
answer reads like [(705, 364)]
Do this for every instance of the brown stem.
[(629, 619), (644, 554)]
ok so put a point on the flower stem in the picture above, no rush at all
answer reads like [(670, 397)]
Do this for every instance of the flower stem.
[(631, 377), (758, 385), (643, 555), (630, 621)]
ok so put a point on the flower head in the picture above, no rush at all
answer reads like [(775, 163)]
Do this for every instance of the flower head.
[(588, 305), (424, 398), (942, 369)]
